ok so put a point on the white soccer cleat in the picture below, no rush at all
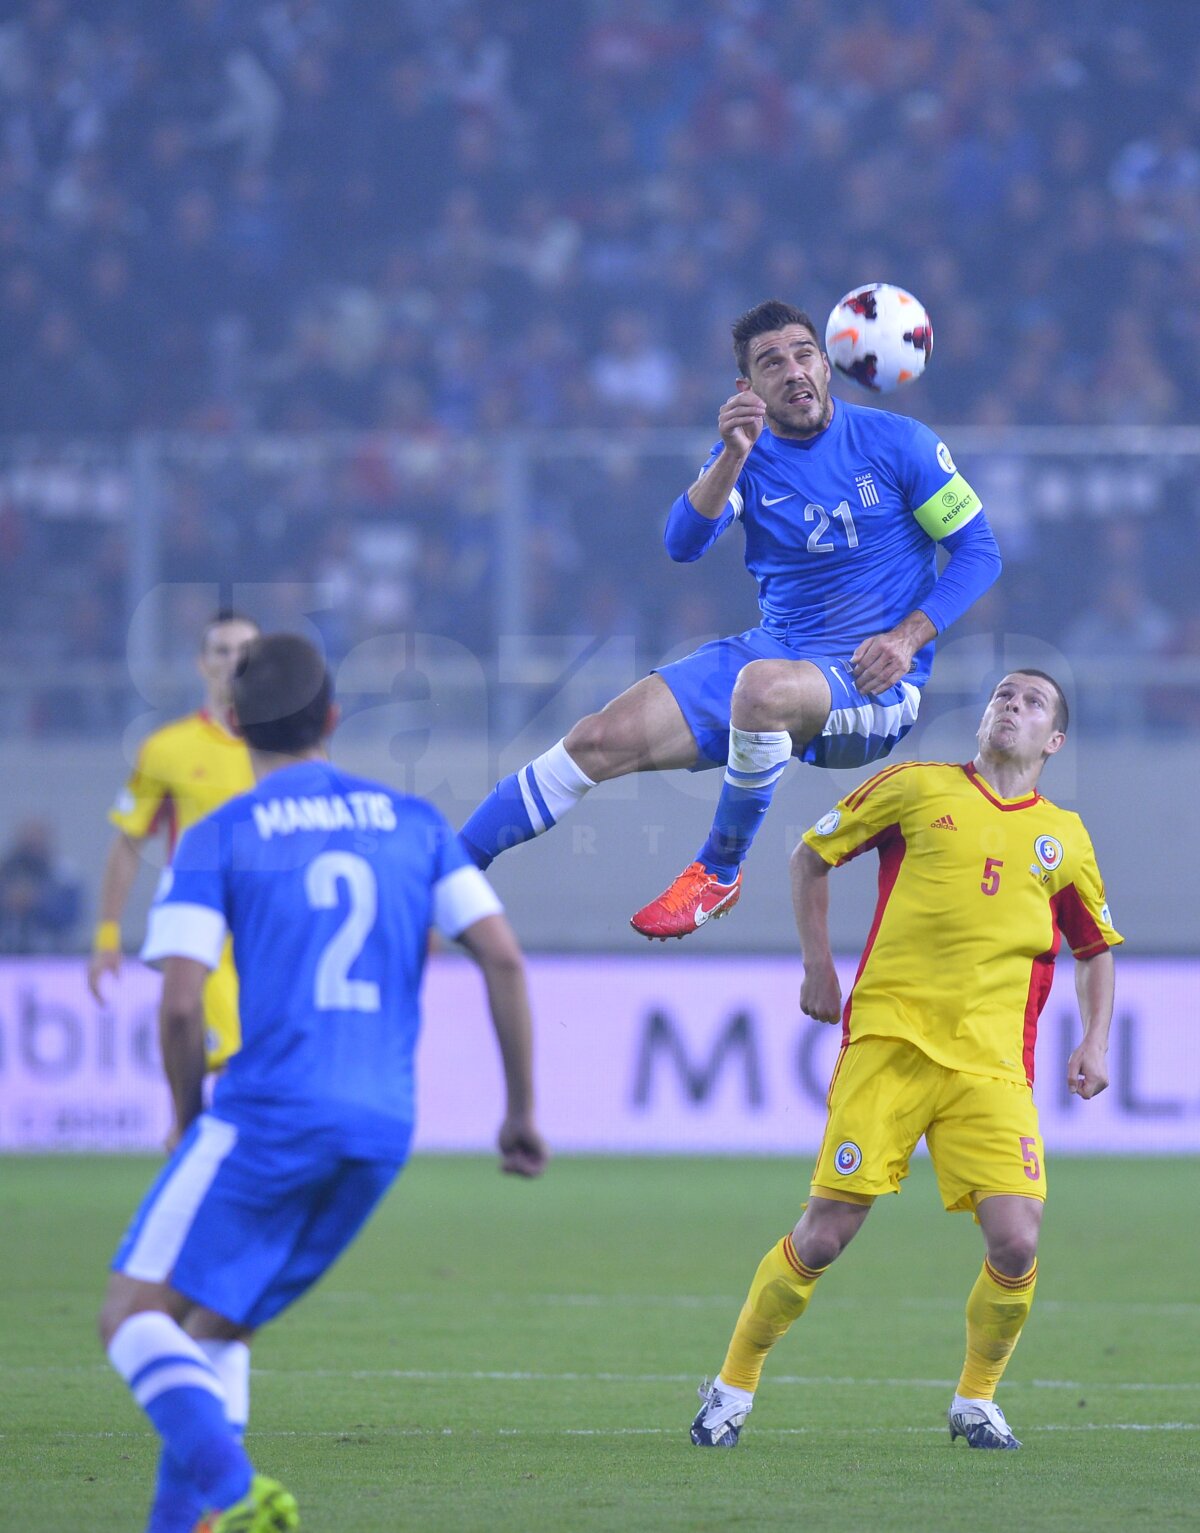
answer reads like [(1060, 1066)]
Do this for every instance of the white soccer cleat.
[(718, 1422), (981, 1422)]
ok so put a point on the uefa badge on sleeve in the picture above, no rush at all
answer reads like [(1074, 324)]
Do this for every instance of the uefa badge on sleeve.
[(847, 1157)]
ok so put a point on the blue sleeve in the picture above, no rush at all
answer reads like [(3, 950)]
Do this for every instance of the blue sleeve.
[(196, 875), (689, 534), (924, 464), (974, 565), (448, 852)]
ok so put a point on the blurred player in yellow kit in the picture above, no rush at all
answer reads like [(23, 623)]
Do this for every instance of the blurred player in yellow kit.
[(980, 879), (183, 771)]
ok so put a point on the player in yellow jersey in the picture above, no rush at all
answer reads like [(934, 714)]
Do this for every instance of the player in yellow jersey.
[(980, 880), (183, 772)]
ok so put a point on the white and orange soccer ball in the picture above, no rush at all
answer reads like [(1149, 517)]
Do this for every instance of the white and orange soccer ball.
[(880, 336)]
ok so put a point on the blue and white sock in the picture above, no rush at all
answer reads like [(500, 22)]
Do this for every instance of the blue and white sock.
[(174, 1383), (756, 762), (178, 1504), (230, 1361), (524, 805)]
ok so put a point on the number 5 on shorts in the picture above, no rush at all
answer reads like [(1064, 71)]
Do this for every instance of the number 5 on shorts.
[(1029, 1155)]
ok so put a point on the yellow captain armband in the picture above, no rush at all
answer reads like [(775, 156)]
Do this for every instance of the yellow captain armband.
[(107, 937), (951, 508)]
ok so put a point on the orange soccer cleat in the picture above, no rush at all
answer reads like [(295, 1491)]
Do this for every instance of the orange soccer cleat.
[(695, 897)]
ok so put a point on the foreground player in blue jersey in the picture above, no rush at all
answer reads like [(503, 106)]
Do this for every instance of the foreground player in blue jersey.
[(843, 509), (328, 885)]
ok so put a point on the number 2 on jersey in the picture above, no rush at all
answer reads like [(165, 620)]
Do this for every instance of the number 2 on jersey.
[(333, 989)]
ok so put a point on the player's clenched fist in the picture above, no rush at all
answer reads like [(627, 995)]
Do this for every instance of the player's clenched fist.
[(523, 1151), (1087, 1072), (821, 995), (740, 420)]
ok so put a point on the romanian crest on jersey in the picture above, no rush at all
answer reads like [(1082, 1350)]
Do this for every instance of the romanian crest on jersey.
[(847, 1157), (1048, 851)]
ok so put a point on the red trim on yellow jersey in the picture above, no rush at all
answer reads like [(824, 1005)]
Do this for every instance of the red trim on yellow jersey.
[(861, 794), (1001, 803), (892, 848), (166, 818), (1041, 977), (1076, 923), (216, 727), (865, 846)]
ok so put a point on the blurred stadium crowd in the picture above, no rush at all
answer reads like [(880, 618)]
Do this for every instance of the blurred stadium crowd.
[(441, 220)]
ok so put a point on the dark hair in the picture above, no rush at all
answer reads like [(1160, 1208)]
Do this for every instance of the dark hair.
[(774, 314), (281, 694), (219, 618), (1062, 714)]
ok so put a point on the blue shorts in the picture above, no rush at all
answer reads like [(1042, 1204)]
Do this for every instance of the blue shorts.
[(859, 728), (242, 1225)]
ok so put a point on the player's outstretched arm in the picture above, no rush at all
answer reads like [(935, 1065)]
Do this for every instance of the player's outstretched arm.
[(493, 945), (820, 993), (1087, 1068), (120, 871), (181, 1034)]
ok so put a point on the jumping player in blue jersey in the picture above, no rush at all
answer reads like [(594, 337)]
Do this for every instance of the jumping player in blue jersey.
[(328, 885), (843, 509)]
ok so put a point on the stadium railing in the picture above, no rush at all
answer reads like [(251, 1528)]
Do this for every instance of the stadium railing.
[(523, 577)]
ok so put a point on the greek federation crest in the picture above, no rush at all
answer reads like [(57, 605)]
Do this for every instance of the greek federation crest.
[(1048, 852), (847, 1157), (828, 823)]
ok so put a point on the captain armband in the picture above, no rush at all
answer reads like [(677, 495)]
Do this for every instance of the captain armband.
[(951, 508)]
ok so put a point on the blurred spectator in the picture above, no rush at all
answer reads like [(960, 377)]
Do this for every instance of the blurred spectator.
[(632, 376), (41, 896), (1120, 627), (455, 222), (174, 176)]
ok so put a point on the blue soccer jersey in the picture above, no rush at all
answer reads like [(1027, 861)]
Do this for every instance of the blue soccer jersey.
[(328, 885), (842, 529)]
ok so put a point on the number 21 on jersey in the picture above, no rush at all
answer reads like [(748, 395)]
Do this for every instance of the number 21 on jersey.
[(817, 542)]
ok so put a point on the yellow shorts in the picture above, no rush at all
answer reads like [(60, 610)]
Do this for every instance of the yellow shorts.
[(982, 1133), (222, 1030)]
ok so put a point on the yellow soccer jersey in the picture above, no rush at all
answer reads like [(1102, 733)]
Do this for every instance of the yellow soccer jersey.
[(183, 772), (976, 893)]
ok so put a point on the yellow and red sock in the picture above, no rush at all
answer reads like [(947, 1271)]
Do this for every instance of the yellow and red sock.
[(996, 1311), (778, 1295)]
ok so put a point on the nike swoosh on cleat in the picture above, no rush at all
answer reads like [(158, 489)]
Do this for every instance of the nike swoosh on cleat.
[(778, 498)]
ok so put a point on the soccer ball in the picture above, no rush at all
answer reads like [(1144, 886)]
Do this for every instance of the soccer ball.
[(880, 336)]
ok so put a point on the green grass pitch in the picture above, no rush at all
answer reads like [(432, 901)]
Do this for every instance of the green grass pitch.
[(495, 1355)]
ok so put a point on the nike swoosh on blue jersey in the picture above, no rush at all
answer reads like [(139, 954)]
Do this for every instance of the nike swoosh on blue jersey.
[(778, 498)]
